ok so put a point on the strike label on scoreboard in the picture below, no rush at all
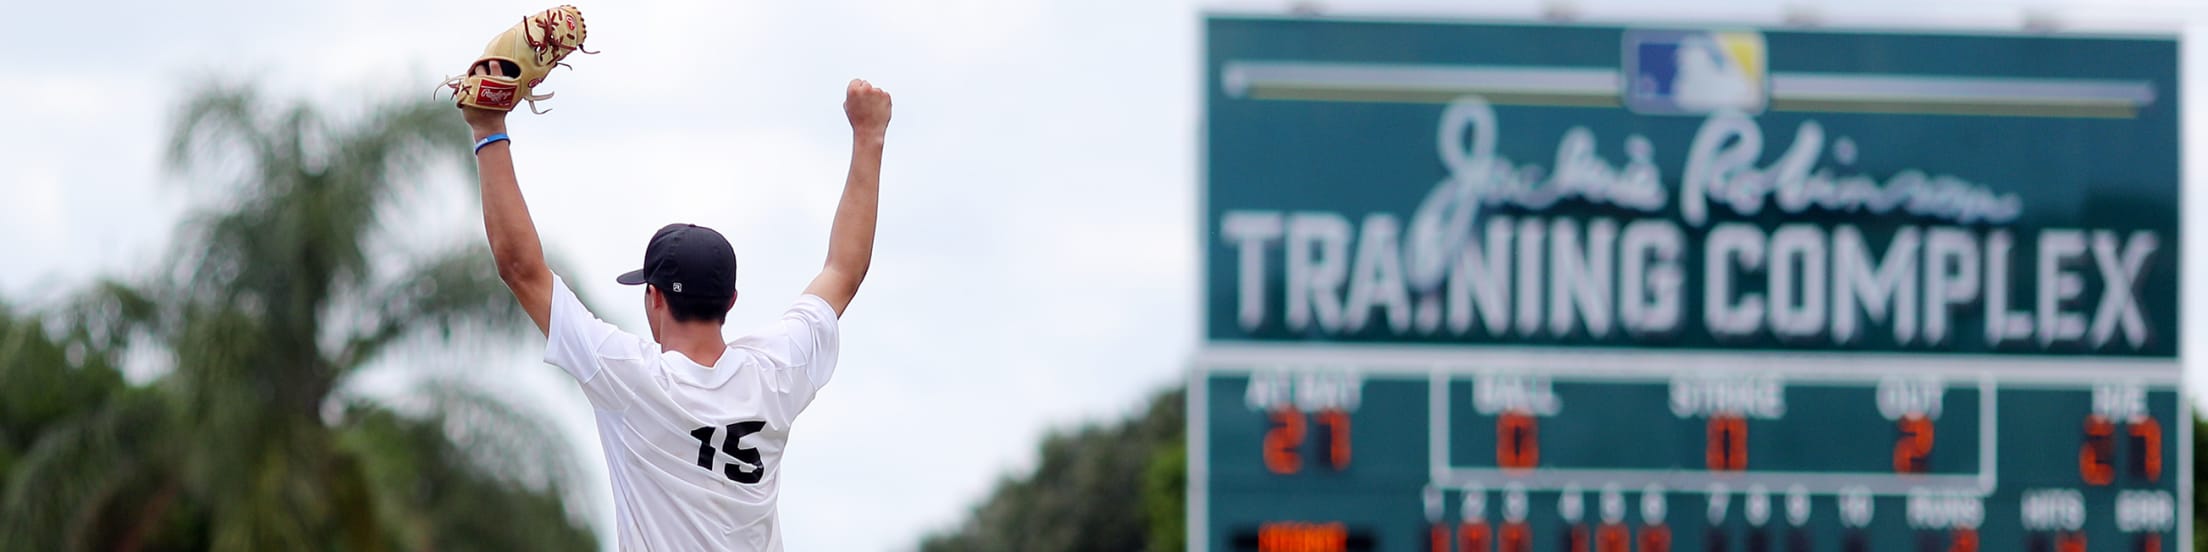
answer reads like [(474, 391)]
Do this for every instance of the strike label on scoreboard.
[(1581, 288)]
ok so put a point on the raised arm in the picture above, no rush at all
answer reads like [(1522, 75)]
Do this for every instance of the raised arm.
[(506, 220), (851, 236)]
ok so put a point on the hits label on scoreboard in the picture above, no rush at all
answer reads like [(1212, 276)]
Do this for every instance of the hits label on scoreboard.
[(1575, 288)]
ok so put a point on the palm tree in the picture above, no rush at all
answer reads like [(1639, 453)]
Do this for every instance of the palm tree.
[(267, 307)]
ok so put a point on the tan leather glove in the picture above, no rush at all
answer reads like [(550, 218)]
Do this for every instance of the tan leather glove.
[(516, 61)]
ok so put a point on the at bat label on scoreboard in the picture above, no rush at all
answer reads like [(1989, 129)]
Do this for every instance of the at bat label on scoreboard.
[(1587, 288)]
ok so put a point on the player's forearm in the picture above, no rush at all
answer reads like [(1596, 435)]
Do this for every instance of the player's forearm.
[(506, 219), (851, 237)]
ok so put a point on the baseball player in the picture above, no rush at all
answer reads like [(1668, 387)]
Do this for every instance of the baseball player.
[(693, 427)]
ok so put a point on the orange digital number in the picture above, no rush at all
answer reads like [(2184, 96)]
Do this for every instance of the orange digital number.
[(1282, 442), (1517, 441), (1613, 537), (1474, 537), (1655, 538), (1576, 539), (2148, 542), (2072, 542), (1516, 537), (1966, 540), (2093, 457), (1302, 537), (1337, 429), (1728, 443), (2146, 451), (1914, 449)]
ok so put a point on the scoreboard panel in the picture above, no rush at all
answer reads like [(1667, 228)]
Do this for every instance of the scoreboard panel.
[(1582, 288), (1398, 452)]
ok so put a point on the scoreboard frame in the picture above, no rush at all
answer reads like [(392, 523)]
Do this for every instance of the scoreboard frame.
[(1584, 356)]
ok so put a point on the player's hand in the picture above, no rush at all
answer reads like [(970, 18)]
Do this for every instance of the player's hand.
[(867, 107), (484, 122)]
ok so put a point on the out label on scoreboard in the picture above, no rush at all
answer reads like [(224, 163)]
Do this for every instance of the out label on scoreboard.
[(1508, 287)]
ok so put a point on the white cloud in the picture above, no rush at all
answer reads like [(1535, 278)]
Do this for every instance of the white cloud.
[(31, 217)]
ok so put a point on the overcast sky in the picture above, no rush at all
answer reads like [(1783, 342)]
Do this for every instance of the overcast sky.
[(1036, 259)]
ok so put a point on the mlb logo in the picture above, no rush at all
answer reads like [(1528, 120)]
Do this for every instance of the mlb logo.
[(1695, 72)]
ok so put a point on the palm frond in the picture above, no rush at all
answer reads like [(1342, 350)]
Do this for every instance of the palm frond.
[(370, 164), (108, 315), (502, 438), (268, 300), (60, 487), (407, 137), (458, 288), (218, 119), (440, 493), (45, 386)]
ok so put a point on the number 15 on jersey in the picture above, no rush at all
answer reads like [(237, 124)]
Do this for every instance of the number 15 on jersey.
[(748, 468)]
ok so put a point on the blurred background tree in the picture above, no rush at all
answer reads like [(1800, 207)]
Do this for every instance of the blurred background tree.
[(1114, 487), (268, 305)]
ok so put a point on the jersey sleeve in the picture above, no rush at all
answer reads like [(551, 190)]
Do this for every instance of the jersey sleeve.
[(813, 329), (607, 362), (803, 345)]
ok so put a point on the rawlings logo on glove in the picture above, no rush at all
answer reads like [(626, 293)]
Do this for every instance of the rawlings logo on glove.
[(518, 60)]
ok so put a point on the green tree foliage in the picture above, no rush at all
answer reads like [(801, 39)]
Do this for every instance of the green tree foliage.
[(1165, 496), (270, 302), (1111, 487)]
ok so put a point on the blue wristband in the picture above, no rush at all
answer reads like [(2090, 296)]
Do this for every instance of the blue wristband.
[(487, 140)]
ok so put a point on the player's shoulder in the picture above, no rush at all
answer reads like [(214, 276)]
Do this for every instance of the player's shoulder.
[(761, 345), (811, 302), (622, 346)]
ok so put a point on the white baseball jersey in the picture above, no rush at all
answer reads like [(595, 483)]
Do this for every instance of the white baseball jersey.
[(695, 451)]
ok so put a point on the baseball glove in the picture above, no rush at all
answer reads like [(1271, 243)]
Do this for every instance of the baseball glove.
[(516, 61)]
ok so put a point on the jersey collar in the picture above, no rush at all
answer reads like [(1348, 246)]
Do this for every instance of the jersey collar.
[(692, 373)]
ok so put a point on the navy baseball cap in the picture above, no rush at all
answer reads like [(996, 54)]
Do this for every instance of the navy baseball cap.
[(688, 260)]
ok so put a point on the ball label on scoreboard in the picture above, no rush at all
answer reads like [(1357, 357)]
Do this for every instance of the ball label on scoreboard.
[(1499, 393), (1533, 287)]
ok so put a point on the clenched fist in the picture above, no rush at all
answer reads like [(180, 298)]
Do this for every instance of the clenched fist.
[(867, 107)]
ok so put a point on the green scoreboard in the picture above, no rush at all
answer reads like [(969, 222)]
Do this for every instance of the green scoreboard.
[(1481, 287)]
